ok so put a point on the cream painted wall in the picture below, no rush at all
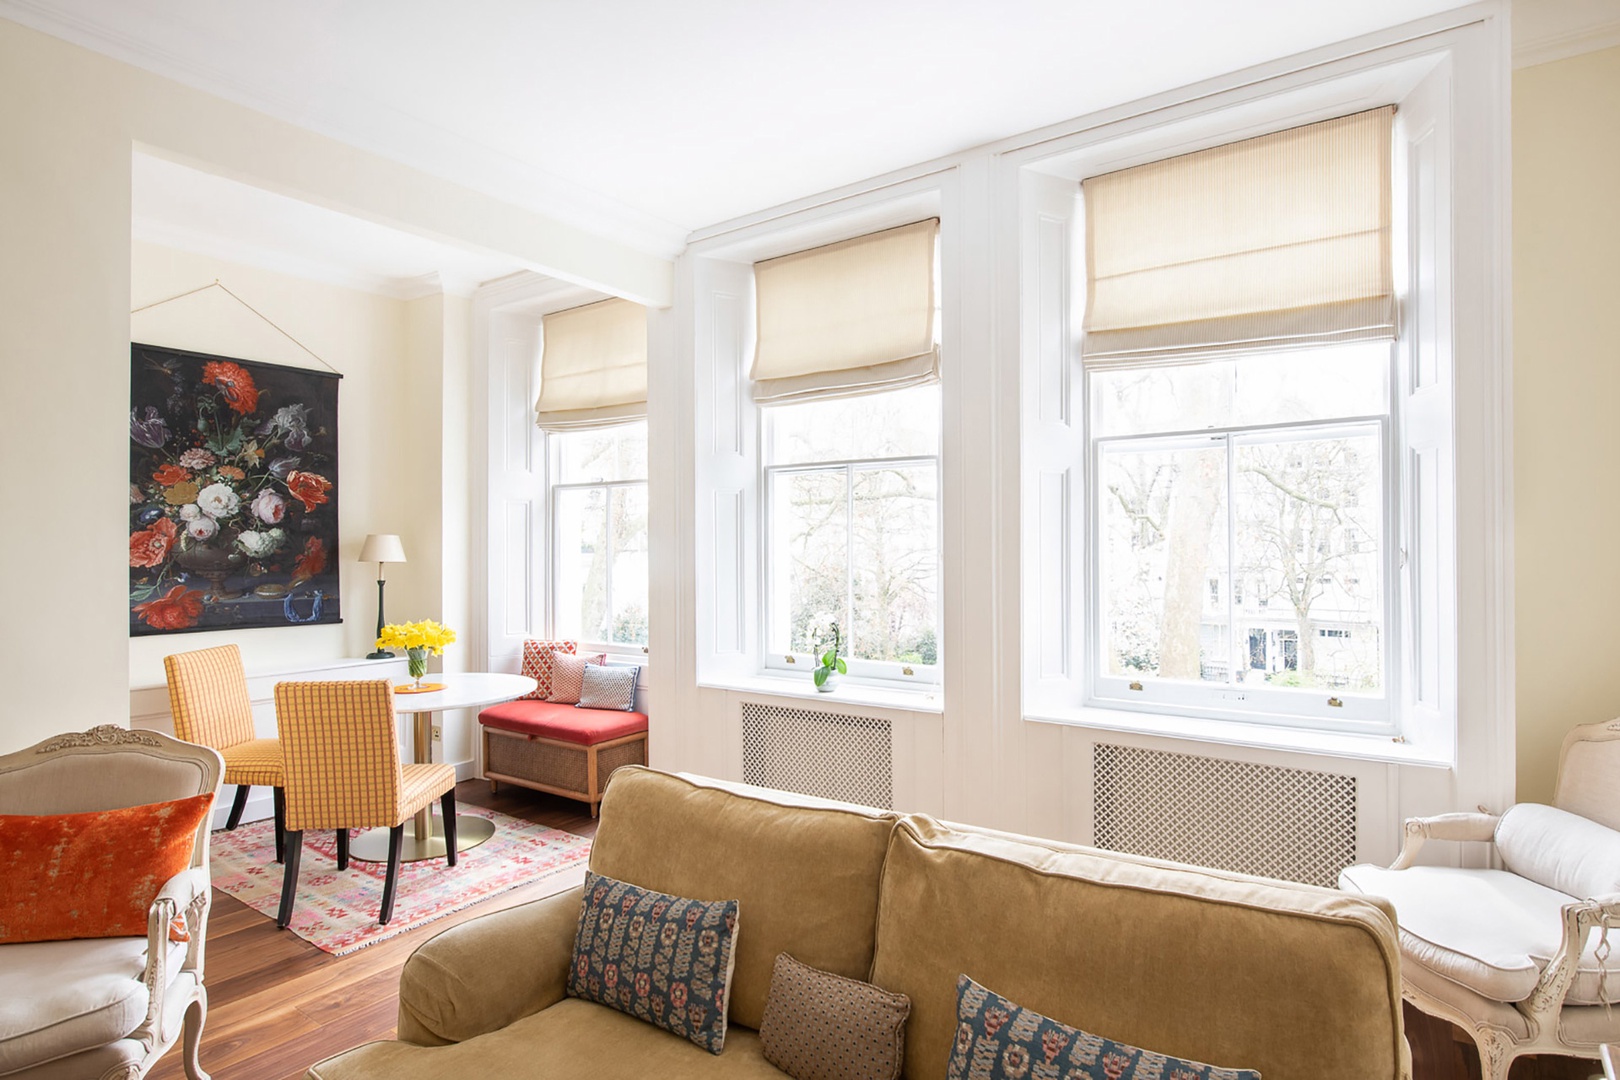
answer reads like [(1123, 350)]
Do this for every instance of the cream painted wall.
[(1566, 346), (371, 340), (70, 121)]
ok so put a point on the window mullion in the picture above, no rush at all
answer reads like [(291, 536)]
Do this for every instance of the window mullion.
[(1231, 565), (849, 554), (607, 574)]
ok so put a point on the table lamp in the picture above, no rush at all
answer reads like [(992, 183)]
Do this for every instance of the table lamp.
[(381, 548)]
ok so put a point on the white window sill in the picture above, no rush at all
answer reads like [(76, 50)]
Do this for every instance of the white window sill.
[(929, 699), (1262, 736)]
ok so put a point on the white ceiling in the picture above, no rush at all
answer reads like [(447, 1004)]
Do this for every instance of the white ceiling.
[(651, 118), (199, 212), (645, 119)]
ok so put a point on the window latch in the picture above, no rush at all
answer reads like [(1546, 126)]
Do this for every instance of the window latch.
[(791, 659)]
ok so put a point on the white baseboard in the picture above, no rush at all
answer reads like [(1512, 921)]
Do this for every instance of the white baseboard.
[(261, 808)]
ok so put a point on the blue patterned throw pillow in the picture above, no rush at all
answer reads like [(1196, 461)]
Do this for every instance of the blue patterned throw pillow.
[(997, 1040), (660, 958)]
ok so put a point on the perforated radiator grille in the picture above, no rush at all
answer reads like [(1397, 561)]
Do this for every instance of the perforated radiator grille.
[(828, 755), (1232, 815)]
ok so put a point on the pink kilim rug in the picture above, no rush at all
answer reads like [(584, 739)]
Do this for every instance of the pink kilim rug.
[(337, 912)]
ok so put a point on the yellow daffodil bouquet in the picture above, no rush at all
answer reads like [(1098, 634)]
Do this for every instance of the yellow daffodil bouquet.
[(417, 639)]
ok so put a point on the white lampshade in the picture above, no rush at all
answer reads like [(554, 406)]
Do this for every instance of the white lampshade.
[(381, 548)]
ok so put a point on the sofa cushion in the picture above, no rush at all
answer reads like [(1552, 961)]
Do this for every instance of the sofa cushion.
[(821, 1026), (1560, 850), (549, 720), (570, 1040), (1198, 964), (64, 997), (998, 1040), (92, 875), (1491, 931), (660, 958), (806, 871)]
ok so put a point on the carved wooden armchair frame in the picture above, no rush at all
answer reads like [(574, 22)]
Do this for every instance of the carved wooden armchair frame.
[(1589, 786), (80, 772)]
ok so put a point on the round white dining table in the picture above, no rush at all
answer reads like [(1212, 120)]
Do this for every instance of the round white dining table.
[(462, 690)]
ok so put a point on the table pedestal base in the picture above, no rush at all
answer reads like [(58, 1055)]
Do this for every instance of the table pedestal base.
[(471, 831)]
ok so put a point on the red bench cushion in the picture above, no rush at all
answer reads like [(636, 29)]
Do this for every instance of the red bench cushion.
[(550, 720)]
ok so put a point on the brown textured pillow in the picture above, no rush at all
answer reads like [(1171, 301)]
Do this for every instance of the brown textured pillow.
[(820, 1026)]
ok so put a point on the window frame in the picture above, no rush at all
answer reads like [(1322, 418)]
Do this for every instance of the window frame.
[(555, 486), (877, 671), (1278, 706)]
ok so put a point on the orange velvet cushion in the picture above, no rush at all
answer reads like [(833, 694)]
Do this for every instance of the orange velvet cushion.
[(91, 875)]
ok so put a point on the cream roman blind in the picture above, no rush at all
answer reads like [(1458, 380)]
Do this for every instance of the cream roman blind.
[(854, 317), (593, 366), (1276, 241)]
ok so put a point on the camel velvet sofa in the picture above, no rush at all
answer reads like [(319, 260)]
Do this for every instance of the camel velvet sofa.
[(1300, 983)]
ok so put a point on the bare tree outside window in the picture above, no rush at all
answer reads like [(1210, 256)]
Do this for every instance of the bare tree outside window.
[(1239, 525), (599, 534), (853, 502)]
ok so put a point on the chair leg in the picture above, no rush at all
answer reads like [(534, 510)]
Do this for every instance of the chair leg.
[(1495, 1053), (447, 808), (289, 877), (396, 841), (343, 849), (278, 799), (196, 1016), (238, 805)]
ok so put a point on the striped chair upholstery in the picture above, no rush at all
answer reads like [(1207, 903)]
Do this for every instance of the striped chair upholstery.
[(208, 697), (343, 772)]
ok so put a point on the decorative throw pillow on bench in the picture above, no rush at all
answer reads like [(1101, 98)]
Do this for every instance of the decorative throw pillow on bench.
[(997, 1040), (539, 658), (660, 958), (821, 1026), (608, 688), (568, 676)]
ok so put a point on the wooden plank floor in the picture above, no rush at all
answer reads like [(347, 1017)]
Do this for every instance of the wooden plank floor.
[(277, 1004)]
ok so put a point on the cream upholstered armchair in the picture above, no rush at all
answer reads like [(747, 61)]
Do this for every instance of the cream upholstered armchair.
[(1525, 958), (108, 1008)]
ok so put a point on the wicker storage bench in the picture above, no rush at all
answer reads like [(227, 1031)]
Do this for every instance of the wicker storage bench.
[(558, 748)]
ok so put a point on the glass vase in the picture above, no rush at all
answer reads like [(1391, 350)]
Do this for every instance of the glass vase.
[(416, 664)]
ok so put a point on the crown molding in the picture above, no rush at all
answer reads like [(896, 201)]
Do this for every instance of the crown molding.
[(433, 149), (1585, 39)]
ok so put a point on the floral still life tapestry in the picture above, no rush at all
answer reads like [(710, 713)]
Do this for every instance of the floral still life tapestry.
[(233, 493)]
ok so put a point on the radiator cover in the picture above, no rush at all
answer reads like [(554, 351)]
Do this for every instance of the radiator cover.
[(1244, 816), (828, 755)]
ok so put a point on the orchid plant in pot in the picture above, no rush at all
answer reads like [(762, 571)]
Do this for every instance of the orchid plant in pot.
[(830, 664)]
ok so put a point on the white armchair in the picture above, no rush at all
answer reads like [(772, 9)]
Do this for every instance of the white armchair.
[(1520, 957), (108, 1008)]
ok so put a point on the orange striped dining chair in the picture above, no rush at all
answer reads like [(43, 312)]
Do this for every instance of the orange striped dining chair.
[(343, 772), (208, 696)]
